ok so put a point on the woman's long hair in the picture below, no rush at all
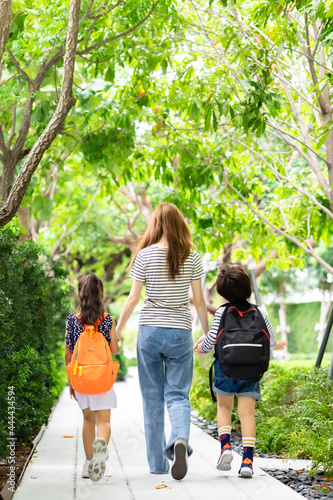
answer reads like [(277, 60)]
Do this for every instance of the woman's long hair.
[(167, 221), (90, 296)]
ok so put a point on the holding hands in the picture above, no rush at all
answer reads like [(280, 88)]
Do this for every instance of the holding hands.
[(197, 347)]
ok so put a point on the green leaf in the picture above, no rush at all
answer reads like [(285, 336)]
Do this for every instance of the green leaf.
[(280, 49), (215, 122), (45, 213), (38, 202), (110, 74), (208, 116), (194, 111)]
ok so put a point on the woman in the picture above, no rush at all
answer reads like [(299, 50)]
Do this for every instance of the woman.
[(167, 265)]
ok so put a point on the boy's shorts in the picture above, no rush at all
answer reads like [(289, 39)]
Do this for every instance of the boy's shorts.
[(228, 386)]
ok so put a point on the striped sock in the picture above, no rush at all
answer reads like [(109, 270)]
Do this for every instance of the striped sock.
[(248, 449), (224, 436)]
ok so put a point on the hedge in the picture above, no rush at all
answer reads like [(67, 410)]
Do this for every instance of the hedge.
[(33, 306), (301, 318)]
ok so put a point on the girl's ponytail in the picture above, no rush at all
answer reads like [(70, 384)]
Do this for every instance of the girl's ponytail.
[(90, 295)]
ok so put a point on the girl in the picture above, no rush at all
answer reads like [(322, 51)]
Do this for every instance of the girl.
[(167, 265), (96, 408), (234, 285)]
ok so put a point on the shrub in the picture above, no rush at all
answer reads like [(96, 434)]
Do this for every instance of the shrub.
[(295, 416), (33, 305), (302, 319), (122, 360), (200, 397)]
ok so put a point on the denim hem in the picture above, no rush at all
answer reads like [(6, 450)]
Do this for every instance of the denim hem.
[(169, 450), (248, 394)]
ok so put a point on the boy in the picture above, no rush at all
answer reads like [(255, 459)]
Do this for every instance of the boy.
[(234, 286)]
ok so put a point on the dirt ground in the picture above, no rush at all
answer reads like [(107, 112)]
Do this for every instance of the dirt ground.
[(22, 452)]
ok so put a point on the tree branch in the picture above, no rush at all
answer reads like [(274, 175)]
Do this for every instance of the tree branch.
[(20, 70), (55, 82), (11, 134), (316, 169), (87, 13), (278, 230), (66, 102), (24, 129), (286, 178), (5, 15), (121, 35), (109, 10), (46, 66), (76, 227)]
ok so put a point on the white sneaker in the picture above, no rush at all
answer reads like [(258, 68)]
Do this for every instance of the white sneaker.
[(225, 460), (179, 464), (85, 469), (96, 467), (246, 469)]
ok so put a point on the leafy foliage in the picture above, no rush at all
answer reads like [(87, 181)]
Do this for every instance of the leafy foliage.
[(302, 319), (296, 416), (33, 304), (208, 101)]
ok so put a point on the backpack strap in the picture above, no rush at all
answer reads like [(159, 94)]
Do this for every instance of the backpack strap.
[(98, 322), (221, 326), (211, 383), (261, 317), (248, 383), (226, 307)]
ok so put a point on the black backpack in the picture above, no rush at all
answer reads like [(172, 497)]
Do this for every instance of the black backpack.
[(242, 344)]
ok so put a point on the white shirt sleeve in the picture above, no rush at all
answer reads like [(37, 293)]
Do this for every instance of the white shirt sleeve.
[(269, 326), (138, 269)]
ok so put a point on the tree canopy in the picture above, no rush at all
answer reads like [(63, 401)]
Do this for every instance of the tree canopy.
[(221, 107)]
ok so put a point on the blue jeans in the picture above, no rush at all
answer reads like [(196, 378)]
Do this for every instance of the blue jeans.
[(165, 366)]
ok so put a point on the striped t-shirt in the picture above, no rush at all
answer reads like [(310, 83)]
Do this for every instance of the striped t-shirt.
[(210, 339), (167, 302)]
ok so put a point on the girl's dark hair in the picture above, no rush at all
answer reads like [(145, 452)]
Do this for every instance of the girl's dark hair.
[(91, 304), (168, 221), (233, 283)]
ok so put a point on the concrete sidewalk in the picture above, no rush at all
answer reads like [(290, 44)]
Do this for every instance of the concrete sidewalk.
[(55, 470)]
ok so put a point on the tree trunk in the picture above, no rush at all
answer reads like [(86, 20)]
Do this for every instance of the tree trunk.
[(66, 102), (284, 328), (5, 15), (324, 310), (6, 181), (31, 226)]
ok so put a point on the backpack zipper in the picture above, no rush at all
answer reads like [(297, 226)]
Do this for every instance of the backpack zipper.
[(106, 352), (77, 352), (242, 345)]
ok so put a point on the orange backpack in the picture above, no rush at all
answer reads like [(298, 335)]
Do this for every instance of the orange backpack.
[(92, 369)]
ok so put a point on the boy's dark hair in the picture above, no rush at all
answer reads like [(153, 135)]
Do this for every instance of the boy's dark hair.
[(233, 283)]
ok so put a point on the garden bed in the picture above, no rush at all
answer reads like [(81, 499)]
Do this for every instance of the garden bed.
[(23, 455), (311, 487)]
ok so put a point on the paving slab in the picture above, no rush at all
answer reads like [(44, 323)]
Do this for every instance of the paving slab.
[(55, 470)]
